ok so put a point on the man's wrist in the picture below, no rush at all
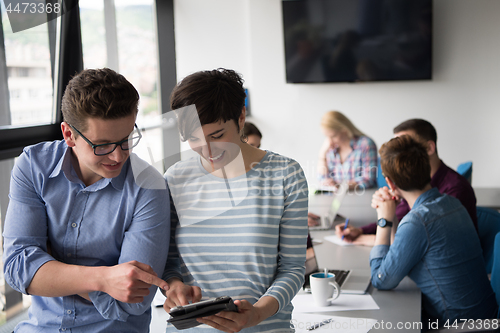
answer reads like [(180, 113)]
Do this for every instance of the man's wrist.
[(174, 280), (97, 284), (384, 223), (383, 236)]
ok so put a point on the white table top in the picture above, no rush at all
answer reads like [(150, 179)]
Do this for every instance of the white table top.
[(400, 305)]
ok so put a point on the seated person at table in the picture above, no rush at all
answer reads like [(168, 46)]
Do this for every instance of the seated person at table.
[(432, 244), (443, 178), (81, 236), (252, 134), (347, 155)]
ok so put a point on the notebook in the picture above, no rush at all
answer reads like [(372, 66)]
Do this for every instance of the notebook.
[(353, 281), (326, 206)]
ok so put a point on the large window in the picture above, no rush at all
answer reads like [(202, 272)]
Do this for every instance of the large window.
[(26, 99), (121, 35), (37, 63)]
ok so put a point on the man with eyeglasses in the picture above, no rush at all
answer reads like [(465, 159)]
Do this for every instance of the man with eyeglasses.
[(81, 235)]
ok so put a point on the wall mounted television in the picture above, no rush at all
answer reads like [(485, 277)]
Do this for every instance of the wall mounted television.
[(357, 40)]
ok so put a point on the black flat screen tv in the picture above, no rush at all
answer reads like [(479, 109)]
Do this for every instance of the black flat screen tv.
[(357, 40)]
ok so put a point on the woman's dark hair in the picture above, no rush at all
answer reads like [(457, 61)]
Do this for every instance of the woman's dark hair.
[(217, 94), (251, 129), (405, 162), (98, 93)]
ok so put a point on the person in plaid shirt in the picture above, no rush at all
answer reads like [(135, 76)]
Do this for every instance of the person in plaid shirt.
[(347, 155)]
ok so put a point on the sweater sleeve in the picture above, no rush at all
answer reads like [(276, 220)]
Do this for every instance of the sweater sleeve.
[(292, 238)]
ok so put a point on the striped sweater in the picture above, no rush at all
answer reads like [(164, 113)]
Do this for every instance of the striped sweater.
[(244, 237)]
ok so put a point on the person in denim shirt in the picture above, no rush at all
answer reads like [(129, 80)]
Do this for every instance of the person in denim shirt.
[(445, 179), (435, 244)]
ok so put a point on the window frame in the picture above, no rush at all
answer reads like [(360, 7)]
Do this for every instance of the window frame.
[(66, 60), (66, 55), (64, 64)]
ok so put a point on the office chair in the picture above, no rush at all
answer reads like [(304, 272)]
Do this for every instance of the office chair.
[(380, 177), (465, 169), (488, 224)]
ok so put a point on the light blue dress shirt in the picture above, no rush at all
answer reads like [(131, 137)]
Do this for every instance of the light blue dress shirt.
[(437, 246), (109, 222)]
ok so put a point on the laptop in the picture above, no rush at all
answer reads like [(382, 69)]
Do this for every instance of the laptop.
[(352, 281), (326, 206)]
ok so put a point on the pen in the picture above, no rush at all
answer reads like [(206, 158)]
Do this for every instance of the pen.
[(318, 325), (345, 226)]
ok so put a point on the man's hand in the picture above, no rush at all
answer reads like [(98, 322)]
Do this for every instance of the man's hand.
[(350, 233), (312, 220), (386, 209), (180, 294), (130, 282), (248, 315), (383, 194)]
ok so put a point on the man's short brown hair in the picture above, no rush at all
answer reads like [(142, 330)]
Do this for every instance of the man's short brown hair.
[(406, 163), (98, 93), (422, 128)]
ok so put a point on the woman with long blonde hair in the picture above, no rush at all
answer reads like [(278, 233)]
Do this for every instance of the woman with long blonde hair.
[(347, 155)]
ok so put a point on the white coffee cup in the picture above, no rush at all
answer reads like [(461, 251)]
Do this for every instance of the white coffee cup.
[(324, 288)]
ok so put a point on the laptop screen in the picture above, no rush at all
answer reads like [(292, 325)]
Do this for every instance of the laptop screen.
[(312, 267), (311, 263)]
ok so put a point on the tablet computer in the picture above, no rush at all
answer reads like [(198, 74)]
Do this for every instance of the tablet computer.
[(185, 316)]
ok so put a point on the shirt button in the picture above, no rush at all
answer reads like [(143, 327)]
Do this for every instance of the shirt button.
[(73, 225), (68, 311), (380, 275)]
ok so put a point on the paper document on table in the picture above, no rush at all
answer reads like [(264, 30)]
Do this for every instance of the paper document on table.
[(325, 188), (159, 299), (301, 321), (335, 240), (305, 303)]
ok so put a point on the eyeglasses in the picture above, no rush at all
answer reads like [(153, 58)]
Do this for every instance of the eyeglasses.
[(107, 148)]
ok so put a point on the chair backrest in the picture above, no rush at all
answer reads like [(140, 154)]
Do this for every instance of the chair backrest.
[(488, 225), (380, 177), (465, 169), (495, 272)]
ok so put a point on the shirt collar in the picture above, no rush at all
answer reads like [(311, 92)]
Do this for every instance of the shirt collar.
[(353, 143), (426, 196), (65, 166)]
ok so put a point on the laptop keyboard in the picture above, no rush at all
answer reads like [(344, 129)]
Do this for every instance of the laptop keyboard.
[(340, 275)]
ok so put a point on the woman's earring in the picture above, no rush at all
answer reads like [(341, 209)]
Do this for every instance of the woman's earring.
[(243, 137)]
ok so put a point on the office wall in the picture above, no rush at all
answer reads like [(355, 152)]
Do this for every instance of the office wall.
[(462, 100)]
